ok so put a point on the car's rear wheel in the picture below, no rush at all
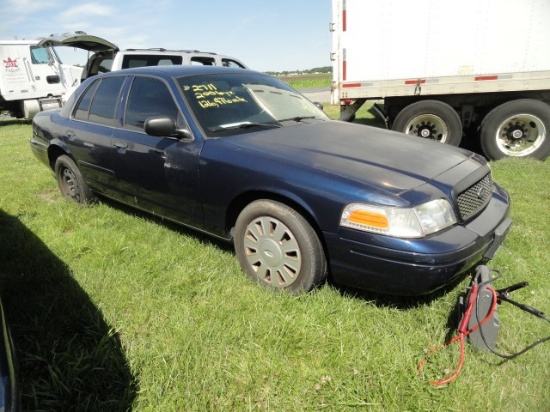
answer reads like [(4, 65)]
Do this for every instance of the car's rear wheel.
[(278, 248), (71, 182)]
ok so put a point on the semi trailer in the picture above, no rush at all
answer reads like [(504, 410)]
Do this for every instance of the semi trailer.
[(448, 70)]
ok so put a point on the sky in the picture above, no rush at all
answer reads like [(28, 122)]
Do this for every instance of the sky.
[(265, 35)]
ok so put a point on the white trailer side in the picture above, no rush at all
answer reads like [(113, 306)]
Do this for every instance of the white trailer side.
[(442, 69)]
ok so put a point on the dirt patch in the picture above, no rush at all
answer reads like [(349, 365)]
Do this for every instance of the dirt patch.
[(49, 196)]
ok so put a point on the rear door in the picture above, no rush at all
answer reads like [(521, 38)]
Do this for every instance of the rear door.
[(89, 136)]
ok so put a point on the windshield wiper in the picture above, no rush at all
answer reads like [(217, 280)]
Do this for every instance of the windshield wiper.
[(244, 125), (297, 118)]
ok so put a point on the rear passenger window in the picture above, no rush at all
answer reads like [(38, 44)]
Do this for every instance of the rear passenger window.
[(83, 107), (99, 102), (143, 60), (148, 97), (165, 62), (204, 61)]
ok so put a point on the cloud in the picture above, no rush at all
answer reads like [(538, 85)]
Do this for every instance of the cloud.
[(25, 6), (88, 10)]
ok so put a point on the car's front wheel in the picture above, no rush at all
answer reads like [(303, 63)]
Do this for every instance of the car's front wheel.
[(70, 181), (278, 248)]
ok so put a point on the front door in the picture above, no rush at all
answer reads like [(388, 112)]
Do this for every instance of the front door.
[(159, 174)]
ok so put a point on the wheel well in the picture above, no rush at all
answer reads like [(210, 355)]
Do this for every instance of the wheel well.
[(239, 203), (53, 153)]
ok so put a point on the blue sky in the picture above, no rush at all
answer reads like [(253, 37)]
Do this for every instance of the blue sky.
[(266, 35)]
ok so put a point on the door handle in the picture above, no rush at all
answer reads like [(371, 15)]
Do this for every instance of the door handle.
[(71, 135), (120, 145), (160, 153)]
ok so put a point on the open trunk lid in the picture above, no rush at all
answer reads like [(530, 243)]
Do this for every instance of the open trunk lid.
[(79, 39)]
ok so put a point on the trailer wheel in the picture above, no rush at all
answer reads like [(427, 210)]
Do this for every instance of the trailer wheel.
[(517, 128), (431, 119)]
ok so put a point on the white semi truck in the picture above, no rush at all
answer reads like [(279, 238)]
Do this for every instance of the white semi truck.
[(446, 69), (33, 78)]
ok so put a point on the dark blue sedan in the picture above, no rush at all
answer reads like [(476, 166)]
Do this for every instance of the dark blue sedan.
[(243, 157)]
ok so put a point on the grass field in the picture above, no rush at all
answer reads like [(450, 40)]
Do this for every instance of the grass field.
[(113, 310), (307, 81)]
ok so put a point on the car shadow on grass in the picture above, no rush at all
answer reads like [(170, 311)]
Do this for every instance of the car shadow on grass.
[(69, 357)]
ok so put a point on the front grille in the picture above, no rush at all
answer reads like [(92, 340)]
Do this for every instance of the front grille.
[(475, 198)]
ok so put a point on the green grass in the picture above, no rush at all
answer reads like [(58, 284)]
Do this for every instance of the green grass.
[(306, 81), (112, 310)]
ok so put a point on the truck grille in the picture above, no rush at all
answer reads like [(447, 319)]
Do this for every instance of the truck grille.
[(475, 198)]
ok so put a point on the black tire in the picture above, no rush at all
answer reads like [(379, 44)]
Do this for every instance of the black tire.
[(519, 128), (70, 181), (430, 119), (278, 248)]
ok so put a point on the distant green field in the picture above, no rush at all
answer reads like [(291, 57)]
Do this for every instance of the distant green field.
[(307, 81)]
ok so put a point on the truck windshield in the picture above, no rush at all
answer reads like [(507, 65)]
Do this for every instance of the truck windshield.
[(40, 55), (232, 103)]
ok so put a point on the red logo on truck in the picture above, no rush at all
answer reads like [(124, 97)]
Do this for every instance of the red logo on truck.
[(10, 64)]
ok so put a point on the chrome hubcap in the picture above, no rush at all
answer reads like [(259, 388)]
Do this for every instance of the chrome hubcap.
[(520, 135), (428, 126)]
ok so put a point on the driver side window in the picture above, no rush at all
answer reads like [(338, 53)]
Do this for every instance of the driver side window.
[(148, 97)]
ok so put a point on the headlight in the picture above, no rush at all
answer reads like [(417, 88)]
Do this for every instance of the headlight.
[(413, 222)]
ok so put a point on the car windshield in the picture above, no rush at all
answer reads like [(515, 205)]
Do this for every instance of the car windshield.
[(232, 103)]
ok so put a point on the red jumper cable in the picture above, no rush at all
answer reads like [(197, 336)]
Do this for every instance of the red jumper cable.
[(472, 327)]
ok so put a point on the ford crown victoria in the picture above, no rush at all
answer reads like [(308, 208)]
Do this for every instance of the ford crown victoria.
[(243, 157)]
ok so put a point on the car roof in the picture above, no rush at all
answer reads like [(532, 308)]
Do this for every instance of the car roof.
[(178, 70), (160, 50)]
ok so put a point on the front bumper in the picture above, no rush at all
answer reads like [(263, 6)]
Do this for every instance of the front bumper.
[(418, 266)]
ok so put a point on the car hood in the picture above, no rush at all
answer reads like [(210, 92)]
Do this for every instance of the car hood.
[(79, 40), (393, 161)]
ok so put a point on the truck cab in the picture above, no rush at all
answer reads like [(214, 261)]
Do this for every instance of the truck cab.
[(33, 77)]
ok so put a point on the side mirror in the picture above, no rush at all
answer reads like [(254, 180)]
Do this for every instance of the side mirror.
[(319, 105), (164, 126)]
